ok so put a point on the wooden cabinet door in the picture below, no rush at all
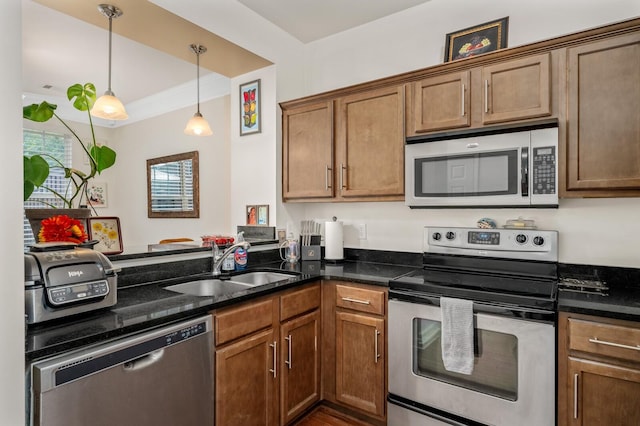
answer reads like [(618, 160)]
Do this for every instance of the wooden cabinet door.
[(603, 141), (440, 103), (602, 394), (307, 151), (300, 365), (370, 143), (360, 361), (518, 89), (246, 381)]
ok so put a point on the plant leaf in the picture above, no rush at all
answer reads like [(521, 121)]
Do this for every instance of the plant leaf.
[(39, 113), (36, 171), (85, 96), (105, 157)]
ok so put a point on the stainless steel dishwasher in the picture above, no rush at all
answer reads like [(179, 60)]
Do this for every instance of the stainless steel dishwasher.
[(160, 377)]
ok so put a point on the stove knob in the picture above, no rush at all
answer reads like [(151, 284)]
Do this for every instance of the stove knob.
[(521, 238), (436, 236), (538, 241), (451, 235)]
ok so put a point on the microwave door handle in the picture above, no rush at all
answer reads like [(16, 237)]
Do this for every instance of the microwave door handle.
[(524, 167)]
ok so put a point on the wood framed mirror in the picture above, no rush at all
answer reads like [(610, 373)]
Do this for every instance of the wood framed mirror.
[(173, 187)]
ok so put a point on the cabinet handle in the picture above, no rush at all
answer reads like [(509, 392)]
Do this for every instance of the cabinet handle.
[(462, 100), (575, 396), (486, 96), (617, 345), (289, 357), (362, 302), (326, 178), (273, 370), (342, 169), (377, 333)]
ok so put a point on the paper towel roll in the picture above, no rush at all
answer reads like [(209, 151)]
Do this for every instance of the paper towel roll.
[(333, 241)]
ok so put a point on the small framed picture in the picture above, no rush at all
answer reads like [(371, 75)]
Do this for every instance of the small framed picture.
[(475, 40), (106, 231), (250, 111), (252, 215), (97, 194), (263, 215)]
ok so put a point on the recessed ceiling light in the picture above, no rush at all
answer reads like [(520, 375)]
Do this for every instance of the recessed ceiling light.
[(47, 86)]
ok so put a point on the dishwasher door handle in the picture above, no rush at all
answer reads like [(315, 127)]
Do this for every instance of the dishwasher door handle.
[(143, 361)]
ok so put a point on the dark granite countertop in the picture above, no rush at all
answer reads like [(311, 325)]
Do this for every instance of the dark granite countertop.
[(620, 300), (145, 306)]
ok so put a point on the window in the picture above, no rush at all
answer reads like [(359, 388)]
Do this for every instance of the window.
[(58, 146)]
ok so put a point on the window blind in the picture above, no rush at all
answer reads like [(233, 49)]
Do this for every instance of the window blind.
[(58, 146), (172, 186)]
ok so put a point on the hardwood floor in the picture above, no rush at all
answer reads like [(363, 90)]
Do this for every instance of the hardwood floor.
[(325, 416)]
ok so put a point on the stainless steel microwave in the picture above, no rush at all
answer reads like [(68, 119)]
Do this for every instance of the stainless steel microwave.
[(517, 169)]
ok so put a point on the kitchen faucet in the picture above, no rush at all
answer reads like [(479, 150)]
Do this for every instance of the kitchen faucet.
[(218, 258)]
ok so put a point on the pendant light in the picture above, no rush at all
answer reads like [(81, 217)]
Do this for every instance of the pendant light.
[(108, 106), (198, 126)]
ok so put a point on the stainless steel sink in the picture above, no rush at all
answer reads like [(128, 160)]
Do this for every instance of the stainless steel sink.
[(216, 287), (208, 287), (260, 278)]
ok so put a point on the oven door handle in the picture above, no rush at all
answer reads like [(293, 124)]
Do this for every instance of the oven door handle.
[(478, 307)]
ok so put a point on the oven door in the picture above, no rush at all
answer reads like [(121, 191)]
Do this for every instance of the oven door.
[(513, 381)]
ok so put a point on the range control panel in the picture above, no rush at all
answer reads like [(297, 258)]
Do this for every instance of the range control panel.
[(502, 243)]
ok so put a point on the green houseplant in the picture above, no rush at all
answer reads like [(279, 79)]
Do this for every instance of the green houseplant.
[(36, 167)]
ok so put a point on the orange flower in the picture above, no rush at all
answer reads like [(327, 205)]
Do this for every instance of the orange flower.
[(62, 228)]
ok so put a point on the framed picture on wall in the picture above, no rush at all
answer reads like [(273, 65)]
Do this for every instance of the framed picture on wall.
[(475, 40), (252, 215), (263, 215), (97, 194), (250, 111), (106, 231)]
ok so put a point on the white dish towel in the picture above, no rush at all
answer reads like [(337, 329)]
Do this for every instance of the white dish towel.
[(457, 334)]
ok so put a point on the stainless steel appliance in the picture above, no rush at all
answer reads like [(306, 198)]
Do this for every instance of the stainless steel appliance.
[(62, 280), (511, 277), (161, 377), (508, 169)]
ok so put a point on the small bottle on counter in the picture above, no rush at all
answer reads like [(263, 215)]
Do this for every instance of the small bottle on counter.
[(240, 255)]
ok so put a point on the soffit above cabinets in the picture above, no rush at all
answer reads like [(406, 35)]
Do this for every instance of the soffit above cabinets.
[(151, 25)]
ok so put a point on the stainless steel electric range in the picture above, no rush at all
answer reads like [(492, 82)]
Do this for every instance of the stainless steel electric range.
[(510, 275)]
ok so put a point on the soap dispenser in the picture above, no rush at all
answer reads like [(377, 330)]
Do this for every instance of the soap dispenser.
[(240, 255)]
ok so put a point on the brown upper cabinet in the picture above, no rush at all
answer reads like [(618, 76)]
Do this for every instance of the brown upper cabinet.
[(512, 90), (360, 158), (348, 144), (307, 151), (603, 123)]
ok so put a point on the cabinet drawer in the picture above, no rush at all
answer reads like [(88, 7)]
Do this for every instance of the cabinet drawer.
[(615, 341), (360, 299), (299, 302), (235, 322)]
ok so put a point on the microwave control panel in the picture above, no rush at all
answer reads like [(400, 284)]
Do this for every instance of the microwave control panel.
[(544, 170)]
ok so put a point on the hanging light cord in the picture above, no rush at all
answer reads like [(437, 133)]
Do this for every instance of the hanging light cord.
[(110, 23), (198, 50)]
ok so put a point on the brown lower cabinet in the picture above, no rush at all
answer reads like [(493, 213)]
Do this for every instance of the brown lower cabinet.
[(598, 371), (268, 358), (279, 355), (354, 341)]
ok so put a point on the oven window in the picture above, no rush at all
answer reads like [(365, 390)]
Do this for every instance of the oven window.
[(495, 369), (467, 175)]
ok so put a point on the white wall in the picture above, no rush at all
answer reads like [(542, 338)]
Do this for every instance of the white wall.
[(157, 137), (253, 156), (592, 231), (11, 288)]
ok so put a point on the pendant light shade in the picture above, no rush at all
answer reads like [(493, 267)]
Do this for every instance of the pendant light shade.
[(198, 126), (108, 106)]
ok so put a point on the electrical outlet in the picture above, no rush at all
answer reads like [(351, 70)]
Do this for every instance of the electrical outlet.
[(362, 231)]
